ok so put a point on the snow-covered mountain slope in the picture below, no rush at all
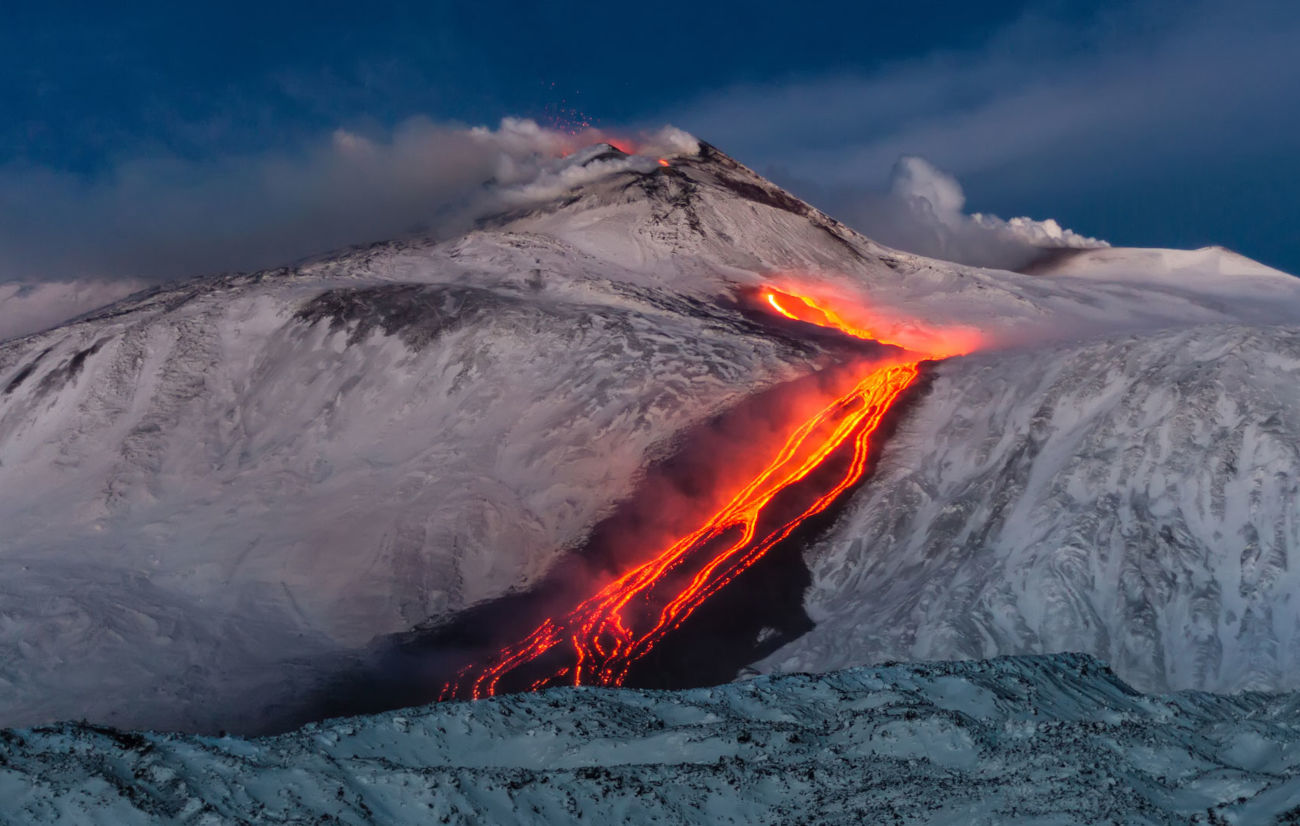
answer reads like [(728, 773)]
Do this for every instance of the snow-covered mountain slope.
[(1136, 497), (292, 470), (214, 491), (1035, 740)]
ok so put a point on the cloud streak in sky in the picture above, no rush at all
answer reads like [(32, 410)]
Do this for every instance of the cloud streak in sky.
[(161, 218), (70, 244), (164, 217), (1037, 113)]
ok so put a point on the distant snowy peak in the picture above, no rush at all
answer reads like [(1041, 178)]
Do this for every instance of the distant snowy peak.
[(696, 201), (1141, 262), (702, 223)]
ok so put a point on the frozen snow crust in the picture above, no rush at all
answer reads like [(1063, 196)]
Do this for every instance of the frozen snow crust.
[(1044, 740), (217, 493)]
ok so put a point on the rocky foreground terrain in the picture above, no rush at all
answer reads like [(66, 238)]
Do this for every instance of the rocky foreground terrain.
[(1043, 740)]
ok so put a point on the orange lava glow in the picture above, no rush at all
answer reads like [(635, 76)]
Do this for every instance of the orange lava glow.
[(803, 308), (663, 161), (597, 642), (932, 342)]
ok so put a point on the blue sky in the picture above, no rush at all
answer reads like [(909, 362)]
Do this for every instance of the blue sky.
[(1144, 123)]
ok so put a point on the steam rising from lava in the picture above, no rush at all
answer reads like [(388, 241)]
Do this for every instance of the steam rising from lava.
[(598, 641)]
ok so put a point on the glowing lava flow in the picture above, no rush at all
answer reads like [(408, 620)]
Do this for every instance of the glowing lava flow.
[(599, 640), (803, 308)]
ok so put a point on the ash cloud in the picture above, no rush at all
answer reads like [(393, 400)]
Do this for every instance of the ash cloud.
[(70, 243), (164, 217), (923, 211)]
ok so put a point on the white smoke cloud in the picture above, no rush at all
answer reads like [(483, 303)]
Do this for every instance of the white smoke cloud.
[(28, 308), (923, 211), (918, 182), (160, 218), (669, 141), (547, 181)]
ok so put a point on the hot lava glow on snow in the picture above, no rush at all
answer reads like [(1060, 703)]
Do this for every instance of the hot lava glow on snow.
[(597, 642), (856, 322)]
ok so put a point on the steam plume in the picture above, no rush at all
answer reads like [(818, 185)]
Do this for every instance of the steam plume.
[(923, 212), (160, 218), (70, 243)]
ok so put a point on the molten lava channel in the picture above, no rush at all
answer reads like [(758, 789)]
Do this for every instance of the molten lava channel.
[(597, 642)]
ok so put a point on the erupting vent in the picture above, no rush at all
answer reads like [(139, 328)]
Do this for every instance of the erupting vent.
[(597, 642)]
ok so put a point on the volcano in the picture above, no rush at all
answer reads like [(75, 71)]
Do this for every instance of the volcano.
[(223, 494)]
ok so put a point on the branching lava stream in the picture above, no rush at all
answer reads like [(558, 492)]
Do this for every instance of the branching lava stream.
[(597, 642)]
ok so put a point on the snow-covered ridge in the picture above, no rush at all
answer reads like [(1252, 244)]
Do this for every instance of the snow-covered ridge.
[(1136, 497), (1130, 262), (1036, 739)]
